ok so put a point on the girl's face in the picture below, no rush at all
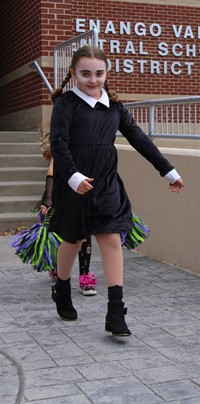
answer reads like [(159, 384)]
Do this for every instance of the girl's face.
[(90, 74)]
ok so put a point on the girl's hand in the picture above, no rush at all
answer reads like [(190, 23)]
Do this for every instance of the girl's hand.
[(85, 186), (177, 186), (44, 209)]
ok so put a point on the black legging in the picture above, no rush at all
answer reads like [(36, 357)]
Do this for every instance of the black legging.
[(84, 256)]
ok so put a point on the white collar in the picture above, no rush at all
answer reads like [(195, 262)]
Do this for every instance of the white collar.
[(90, 100)]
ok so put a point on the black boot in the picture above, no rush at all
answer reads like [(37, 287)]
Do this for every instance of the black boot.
[(115, 321), (61, 295)]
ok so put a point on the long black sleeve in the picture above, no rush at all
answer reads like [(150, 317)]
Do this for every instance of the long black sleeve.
[(59, 138), (141, 142)]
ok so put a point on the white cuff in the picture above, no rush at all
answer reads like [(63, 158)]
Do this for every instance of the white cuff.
[(75, 180), (172, 176)]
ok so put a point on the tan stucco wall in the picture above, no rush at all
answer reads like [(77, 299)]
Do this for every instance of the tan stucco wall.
[(173, 219), (32, 119)]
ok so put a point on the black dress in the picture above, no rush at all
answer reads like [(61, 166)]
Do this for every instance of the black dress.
[(82, 139)]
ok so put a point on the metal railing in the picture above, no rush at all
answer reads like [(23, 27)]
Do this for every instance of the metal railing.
[(160, 118), (175, 118), (168, 118), (63, 55), (36, 67)]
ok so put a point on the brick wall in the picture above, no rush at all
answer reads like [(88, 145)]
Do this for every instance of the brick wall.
[(21, 31), (146, 83), (32, 28)]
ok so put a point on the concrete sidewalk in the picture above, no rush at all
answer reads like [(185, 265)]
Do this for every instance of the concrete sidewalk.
[(45, 360)]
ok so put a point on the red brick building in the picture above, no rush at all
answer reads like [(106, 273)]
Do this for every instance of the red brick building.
[(153, 47)]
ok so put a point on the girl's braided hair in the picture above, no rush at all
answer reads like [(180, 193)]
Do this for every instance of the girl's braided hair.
[(89, 52), (45, 147)]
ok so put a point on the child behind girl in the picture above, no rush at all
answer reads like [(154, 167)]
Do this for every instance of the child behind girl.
[(39, 246), (89, 197)]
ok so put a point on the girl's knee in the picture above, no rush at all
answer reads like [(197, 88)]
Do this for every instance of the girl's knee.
[(109, 240)]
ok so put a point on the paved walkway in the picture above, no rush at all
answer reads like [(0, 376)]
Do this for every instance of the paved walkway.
[(45, 360)]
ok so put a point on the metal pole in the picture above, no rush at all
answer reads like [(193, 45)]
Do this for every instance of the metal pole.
[(95, 33), (55, 62), (151, 120), (35, 66)]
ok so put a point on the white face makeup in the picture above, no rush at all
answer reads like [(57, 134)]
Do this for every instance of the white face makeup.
[(90, 74)]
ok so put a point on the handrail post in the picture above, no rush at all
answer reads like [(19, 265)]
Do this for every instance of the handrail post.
[(151, 120), (55, 57), (95, 33)]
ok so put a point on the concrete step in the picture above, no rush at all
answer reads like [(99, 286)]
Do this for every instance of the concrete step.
[(22, 178), (18, 137), (23, 173), (18, 188), (9, 221), (16, 204), (20, 148), (19, 160)]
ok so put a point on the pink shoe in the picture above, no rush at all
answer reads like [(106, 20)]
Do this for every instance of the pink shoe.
[(53, 275), (87, 284)]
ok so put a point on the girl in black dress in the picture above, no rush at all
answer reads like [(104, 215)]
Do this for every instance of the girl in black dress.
[(89, 197)]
